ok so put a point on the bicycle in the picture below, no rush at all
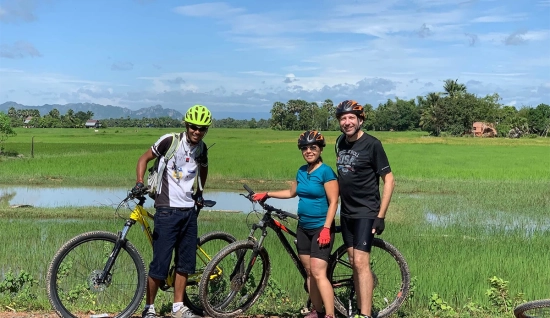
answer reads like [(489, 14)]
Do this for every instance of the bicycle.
[(533, 309), (103, 273), (246, 270)]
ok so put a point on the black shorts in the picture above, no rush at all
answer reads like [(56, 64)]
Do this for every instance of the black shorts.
[(175, 230), (307, 243), (357, 233)]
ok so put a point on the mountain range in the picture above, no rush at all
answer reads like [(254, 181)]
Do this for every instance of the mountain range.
[(109, 111)]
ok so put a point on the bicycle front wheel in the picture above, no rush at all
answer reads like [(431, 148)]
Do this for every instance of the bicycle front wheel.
[(234, 279), (72, 282), (209, 245), (391, 279), (533, 309)]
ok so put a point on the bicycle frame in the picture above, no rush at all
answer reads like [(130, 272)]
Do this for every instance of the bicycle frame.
[(137, 215), (268, 221), (141, 216)]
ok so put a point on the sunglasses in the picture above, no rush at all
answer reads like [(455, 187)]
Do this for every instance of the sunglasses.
[(199, 128), (311, 147)]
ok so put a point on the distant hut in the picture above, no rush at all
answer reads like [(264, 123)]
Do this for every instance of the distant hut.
[(92, 123), (27, 122), (481, 129)]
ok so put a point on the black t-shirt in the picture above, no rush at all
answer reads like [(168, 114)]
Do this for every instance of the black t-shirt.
[(360, 165)]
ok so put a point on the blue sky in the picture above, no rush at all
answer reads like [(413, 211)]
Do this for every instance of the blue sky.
[(243, 55)]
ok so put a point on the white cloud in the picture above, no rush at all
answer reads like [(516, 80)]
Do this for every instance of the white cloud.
[(213, 9), (122, 66), (13, 11), (259, 73), (500, 18), (366, 50), (18, 50)]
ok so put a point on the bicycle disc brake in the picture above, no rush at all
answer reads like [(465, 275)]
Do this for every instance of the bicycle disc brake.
[(94, 283)]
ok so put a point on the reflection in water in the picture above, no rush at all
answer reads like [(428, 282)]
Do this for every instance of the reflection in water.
[(63, 197), (500, 220)]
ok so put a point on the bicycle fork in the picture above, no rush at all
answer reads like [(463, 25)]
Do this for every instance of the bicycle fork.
[(238, 277), (104, 277)]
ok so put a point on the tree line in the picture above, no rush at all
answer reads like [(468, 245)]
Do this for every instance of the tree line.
[(450, 112), (53, 119)]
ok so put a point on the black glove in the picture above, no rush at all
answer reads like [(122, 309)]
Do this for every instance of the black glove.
[(198, 199), (378, 225), (137, 190)]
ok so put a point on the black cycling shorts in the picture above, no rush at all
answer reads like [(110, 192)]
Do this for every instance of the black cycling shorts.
[(357, 233), (307, 243)]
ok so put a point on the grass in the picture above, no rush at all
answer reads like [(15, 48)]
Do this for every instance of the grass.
[(464, 209), (80, 157)]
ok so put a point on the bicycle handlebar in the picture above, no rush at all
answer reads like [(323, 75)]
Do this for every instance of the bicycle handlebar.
[(280, 213), (141, 197)]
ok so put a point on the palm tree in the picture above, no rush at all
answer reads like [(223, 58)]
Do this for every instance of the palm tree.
[(453, 88), (431, 118)]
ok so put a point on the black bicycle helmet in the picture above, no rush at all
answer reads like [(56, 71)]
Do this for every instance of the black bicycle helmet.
[(311, 137), (350, 106)]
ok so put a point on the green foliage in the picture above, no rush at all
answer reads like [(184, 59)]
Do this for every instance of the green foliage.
[(499, 296), (18, 291), (440, 307), (452, 206), (301, 115), (5, 130), (276, 301), (451, 112)]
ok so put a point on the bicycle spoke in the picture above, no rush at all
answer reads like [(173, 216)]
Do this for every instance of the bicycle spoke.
[(74, 284), (233, 292)]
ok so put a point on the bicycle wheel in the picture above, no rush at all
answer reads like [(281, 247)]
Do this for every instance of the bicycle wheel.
[(533, 309), (224, 290), (210, 244), (72, 285), (391, 279)]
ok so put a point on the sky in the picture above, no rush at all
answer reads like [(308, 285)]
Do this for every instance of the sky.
[(244, 55)]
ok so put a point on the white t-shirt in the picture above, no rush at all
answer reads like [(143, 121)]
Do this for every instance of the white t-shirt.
[(179, 176)]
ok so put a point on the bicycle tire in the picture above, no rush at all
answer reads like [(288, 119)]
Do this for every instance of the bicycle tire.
[(83, 296), (533, 309), (221, 304), (385, 302), (191, 297)]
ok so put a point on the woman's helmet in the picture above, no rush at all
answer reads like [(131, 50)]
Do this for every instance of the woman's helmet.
[(311, 137), (350, 107), (198, 115)]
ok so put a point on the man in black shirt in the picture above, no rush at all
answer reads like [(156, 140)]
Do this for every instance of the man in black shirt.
[(361, 163)]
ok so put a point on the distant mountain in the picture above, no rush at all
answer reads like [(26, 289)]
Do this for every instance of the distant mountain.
[(105, 112), (100, 111)]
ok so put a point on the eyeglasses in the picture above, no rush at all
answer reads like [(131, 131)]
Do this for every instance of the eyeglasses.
[(310, 147), (199, 128)]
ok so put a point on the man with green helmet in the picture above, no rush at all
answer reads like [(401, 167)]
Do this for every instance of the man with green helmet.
[(175, 222)]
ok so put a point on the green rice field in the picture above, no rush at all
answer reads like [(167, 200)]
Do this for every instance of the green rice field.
[(464, 209)]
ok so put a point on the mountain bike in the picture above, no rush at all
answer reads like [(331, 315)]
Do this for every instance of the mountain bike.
[(246, 269), (102, 273), (533, 309)]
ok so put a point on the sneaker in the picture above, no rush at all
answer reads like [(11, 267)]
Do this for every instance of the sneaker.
[(361, 316), (148, 313), (184, 312)]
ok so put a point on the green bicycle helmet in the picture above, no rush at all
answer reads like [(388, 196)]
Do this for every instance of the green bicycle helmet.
[(198, 115)]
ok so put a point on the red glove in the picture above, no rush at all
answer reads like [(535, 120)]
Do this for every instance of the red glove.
[(262, 196), (324, 236)]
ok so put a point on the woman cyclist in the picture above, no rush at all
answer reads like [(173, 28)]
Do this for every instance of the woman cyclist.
[(316, 186)]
